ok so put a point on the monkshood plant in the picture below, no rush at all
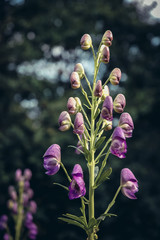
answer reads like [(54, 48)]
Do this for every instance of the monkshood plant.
[(91, 130), (22, 208)]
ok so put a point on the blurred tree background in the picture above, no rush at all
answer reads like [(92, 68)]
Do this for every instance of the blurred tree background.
[(39, 46)]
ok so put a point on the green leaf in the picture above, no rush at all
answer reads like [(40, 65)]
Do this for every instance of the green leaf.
[(103, 177), (99, 142), (103, 216), (76, 218), (97, 113), (73, 222), (76, 148)]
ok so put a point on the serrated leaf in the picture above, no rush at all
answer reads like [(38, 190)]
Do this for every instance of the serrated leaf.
[(99, 142), (103, 177), (97, 113), (73, 222)]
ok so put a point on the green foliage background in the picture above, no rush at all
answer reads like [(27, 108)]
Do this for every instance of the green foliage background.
[(24, 138)]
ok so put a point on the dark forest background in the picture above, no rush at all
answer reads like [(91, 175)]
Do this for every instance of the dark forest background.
[(39, 46)]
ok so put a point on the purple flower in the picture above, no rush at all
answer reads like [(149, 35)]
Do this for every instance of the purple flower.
[(6, 236), (18, 175), (77, 186), (28, 219), (27, 174), (98, 89), (32, 206), (115, 76), (75, 80), (107, 38), (52, 158), (86, 42), (64, 121), (129, 183), (126, 123), (79, 147), (107, 109), (33, 231), (12, 192), (118, 145), (119, 103), (105, 56), (79, 124), (79, 69), (3, 222)]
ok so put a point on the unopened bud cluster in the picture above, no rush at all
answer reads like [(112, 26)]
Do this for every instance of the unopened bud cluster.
[(22, 207)]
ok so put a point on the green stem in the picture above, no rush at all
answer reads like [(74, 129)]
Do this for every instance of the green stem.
[(84, 113), (106, 82), (89, 85), (86, 96), (20, 212), (113, 200), (102, 166), (99, 155), (64, 169)]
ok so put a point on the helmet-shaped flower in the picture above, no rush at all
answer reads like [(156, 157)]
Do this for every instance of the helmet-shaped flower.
[(79, 69), (119, 103), (86, 42), (105, 54), (75, 80), (98, 89), (126, 123), (115, 76), (77, 186), (107, 38), (64, 121), (129, 183), (79, 124), (118, 145), (107, 109), (52, 159)]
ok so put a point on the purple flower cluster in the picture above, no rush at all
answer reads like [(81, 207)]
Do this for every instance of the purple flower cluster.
[(28, 206), (31, 226)]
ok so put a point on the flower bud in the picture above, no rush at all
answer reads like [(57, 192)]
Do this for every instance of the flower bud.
[(6, 236), (119, 103), (98, 89), (12, 192), (71, 105), (52, 159), (107, 109), (3, 222), (105, 54), (118, 145), (32, 206), (18, 175), (64, 121), (86, 42), (27, 174), (107, 38), (129, 183), (105, 92), (115, 76), (75, 80), (107, 125), (79, 124), (126, 123), (79, 69)]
